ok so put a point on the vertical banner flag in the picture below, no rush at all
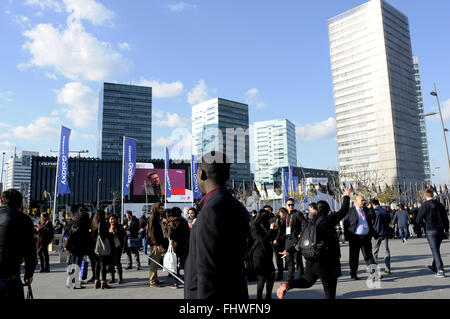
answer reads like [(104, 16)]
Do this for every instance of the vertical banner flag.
[(129, 163), (196, 192), (291, 182), (285, 180), (63, 161), (166, 170)]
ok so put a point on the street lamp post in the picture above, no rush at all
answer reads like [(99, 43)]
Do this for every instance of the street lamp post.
[(50, 202), (98, 193), (434, 93), (1, 175)]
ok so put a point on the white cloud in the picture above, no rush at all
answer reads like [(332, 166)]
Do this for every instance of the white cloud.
[(7, 96), (43, 4), (252, 98), (89, 10), (74, 53), (181, 6), (179, 144), (174, 120), (51, 76), (43, 128), (317, 131), (163, 142), (163, 89), (158, 114), (198, 94), (124, 46), (82, 103)]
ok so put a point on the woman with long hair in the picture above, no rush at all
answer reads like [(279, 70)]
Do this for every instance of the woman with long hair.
[(262, 252), (192, 216), (100, 228), (45, 235), (177, 230), (117, 241)]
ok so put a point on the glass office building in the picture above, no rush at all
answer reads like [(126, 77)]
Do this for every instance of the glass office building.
[(124, 110), (377, 116), (222, 125), (275, 146)]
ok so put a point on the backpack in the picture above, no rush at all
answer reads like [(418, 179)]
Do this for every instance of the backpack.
[(308, 244)]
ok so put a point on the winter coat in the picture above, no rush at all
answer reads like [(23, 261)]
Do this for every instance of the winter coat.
[(294, 220), (217, 245), (262, 251), (154, 231), (401, 218), (177, 230), (17, 243), (79, 240), (330, 264), (45, 234), (434, 215), (134, 227), (381, 221)]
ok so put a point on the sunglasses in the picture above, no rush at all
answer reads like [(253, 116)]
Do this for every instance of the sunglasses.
[(290, 205)]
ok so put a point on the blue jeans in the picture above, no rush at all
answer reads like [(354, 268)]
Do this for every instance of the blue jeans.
[(144, 242), (435, 238), (404, 234)]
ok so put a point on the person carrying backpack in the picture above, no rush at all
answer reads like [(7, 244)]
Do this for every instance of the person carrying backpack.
[(319, 244)]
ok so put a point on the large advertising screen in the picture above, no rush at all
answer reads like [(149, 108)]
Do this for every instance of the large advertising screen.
[(152, 181)]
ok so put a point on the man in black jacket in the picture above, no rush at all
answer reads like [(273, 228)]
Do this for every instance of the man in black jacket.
[(290, 229), (436, 219), (17, 243), (358, 231), (215, 263), (131, 226)]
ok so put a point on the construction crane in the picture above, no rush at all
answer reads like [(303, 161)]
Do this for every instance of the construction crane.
[(79, 152)]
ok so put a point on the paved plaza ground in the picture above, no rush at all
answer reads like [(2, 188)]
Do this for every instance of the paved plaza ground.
[(410, 279)]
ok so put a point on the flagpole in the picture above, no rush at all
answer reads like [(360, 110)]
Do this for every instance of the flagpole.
[(56, 177), (166, 173), (192, 179), (123, 172)]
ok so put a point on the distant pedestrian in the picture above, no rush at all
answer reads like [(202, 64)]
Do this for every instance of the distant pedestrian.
[(262, 252), (17, 244), (382, 225), (192, 216), (142, 230), (131, 226), (117, 243), (279, 243), (157, 242), (100, 228), (437, 227), (401, 218), (177, 231), (45, 237)]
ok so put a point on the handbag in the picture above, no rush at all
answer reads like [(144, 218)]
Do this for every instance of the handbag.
[(84, 270), (102, 247), (170, 259), (134, 243)]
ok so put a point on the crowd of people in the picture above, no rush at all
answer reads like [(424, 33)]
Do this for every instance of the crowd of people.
[(221, 246)]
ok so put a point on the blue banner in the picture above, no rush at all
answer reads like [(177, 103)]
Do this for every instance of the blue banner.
[(196, 192), (291, 182), (295, 185), (166, 173), (285, 178), (63, 161), (129, 163)]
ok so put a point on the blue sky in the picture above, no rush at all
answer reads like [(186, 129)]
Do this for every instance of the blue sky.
[(272, 55)]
